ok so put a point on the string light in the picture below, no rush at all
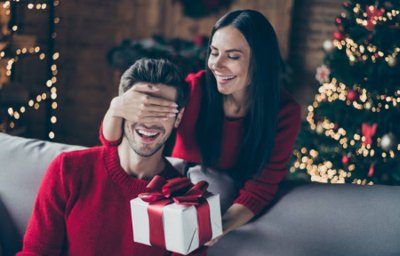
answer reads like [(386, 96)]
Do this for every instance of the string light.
[(323, 172), (356, 52), (35, 102), (362, 53)]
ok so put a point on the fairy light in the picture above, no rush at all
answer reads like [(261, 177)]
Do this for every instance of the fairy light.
[(372, 52), (324, 171), (365, 101), (35, 101)]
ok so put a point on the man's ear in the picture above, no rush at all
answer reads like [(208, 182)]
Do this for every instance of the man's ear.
[(178, 118)]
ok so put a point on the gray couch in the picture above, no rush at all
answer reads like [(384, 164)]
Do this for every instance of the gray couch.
[(306, 219)]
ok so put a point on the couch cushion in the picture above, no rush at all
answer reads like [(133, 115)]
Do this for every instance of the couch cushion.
[(322, 219)]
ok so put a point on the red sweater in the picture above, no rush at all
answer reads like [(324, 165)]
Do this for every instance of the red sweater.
[(83, 208), (256, 193)]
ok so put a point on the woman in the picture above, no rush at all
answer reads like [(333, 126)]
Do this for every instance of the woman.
[(237, 118)]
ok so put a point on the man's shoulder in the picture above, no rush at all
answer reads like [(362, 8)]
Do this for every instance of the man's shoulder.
[(82, 156)]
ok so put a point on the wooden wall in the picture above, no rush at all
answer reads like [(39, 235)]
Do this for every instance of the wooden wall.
[(312, 24), (165, 17), (88, 29)]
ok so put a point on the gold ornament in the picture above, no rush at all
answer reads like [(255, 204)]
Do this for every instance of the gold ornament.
[(392, 61), (388, 141)]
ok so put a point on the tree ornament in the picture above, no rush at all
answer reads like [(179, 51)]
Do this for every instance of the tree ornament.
[(392, 61), (327, 45), (338, 20), (373, 14), (345, 160), (368, 105), (322, 74), (319, 129), (371, 170), (346, 4), (388, 141), (352, 95), (338, 35), (368, 131)]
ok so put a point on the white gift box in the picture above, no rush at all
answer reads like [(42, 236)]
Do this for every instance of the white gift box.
[(179, 223)]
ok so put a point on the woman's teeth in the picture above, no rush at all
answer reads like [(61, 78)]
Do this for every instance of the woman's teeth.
[(227, 77)]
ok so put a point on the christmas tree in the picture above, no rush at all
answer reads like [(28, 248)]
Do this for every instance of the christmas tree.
[(351, 131)]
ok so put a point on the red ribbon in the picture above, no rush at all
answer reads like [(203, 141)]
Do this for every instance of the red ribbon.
[(368, 131), (161, 192)]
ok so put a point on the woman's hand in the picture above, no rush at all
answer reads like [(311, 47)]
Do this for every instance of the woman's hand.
[(139, 104), (236, 216)]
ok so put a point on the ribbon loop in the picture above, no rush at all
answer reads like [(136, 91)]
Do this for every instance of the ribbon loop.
[(178, 190), (176, 186), (156, 183)]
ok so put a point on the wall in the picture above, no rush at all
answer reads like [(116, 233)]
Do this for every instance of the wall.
[(88, 29), (313, 23), (86, 82)]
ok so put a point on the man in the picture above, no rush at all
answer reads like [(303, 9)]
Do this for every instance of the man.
[(82, 207)]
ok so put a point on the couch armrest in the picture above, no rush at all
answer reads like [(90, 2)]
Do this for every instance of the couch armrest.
[(23, 163)]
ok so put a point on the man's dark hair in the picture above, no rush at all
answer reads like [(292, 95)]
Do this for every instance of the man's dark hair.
[(155, 71)]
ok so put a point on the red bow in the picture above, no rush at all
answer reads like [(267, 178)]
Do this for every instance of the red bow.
[(368, 131), (161, 192), (373, 13), (179, 190)]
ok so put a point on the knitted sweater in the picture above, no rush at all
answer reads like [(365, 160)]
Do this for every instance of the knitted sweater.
[(82, 207), (258, 192)]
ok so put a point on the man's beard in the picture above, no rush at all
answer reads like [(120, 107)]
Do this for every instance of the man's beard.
[(144, 151)]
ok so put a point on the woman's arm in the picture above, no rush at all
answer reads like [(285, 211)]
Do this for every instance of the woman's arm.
[(236, 216), (258, 192)]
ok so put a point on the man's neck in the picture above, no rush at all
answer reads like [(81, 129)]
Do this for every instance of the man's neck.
[(139, 166)]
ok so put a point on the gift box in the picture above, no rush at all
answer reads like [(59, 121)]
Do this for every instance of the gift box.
[(176, 215)]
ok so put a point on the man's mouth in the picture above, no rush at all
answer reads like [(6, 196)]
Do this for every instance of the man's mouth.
[(147, 135)]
